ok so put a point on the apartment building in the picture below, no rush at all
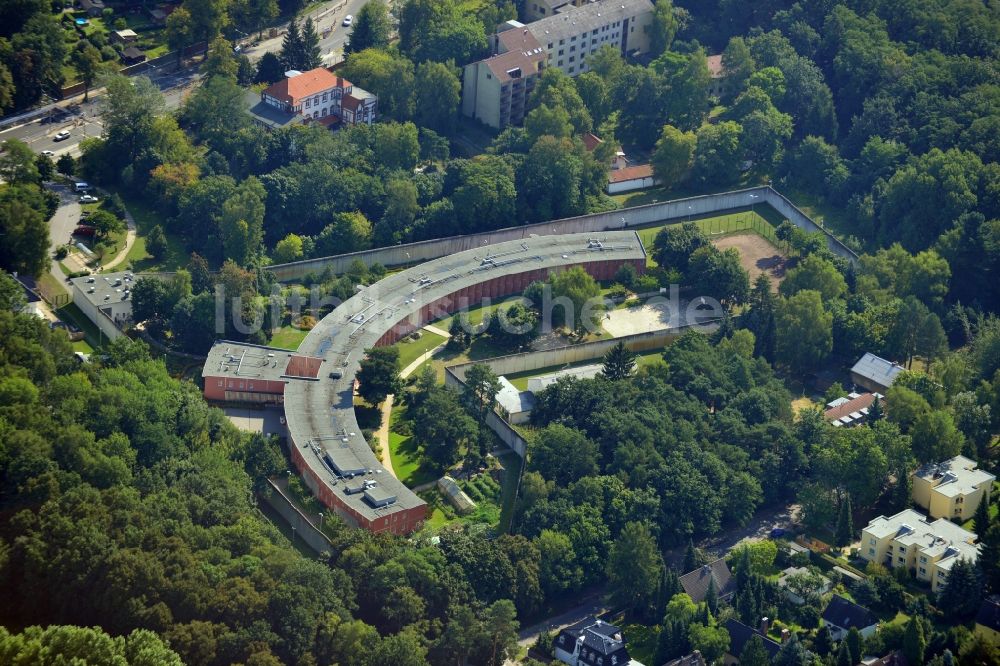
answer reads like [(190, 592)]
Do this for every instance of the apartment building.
[(908, 540), (495, 90), (952, 489), (574, 33), (318, 95), (535, 10)]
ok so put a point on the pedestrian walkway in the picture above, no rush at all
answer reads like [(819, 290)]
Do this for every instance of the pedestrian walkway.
[(386, 410)]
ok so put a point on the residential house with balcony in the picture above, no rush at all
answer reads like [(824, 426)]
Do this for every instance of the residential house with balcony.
[(928, 549), (952, 489), (495, 90)]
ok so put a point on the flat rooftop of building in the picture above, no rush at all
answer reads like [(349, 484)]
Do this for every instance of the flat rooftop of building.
[(247, 361), (320, 414), (911, 527), (106, 288), (536, 384), (570, 20), (513, 399), (958, 476), (271, 116)]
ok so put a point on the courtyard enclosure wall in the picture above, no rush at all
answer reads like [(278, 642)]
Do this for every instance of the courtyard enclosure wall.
[(676, 211), (305, 530), (454, 375)]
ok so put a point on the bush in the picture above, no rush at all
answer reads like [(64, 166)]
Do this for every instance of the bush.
[(627, 275), (646, 283), (617, 291), (61, 252)]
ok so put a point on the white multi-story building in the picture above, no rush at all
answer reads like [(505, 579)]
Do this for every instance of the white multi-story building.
[(908, 540)]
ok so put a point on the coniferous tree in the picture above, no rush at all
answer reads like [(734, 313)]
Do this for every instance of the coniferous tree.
[(854, 644), (759, 319), (981, 518), (753, 653), (619, 362), (876, 412), (311, 55), (914, 643), (989, 556), (962, 593), (372, 28), (845, 523), (690, 557), (793, 653), (291, 47), (844, 655), (712, 596), (901, 491), (823, 644)]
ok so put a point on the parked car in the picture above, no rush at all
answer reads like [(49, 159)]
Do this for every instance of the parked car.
[(81, 186), (88, 198), (84, 231), (61, 136), (348, 20), (48, 153)]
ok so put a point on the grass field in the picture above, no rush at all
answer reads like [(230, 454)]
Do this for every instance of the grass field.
[(410, 350), (287, 337), (405, 455), (94, 337), (146, 217)]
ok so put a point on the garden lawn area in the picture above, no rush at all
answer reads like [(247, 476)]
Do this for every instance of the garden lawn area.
[(405, 455), (411, 350), (761, 220), (993, 510), (480, 349), (475, 315), (72, 314), (146, 217), (641, 641), (287, 337)]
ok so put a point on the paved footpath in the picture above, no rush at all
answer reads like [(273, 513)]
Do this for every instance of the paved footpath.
[(383, 431)]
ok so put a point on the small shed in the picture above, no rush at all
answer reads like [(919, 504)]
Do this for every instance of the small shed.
[(133, 56), (126, 36), (874, 373), (631, 178)]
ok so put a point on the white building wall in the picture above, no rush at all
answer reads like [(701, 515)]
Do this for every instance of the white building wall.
[(94, 314)]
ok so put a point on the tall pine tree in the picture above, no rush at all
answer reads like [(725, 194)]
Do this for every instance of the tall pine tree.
[(823, 643), (914, 643), (853, 642), (989, 556), (759, 319), (690, 557), (619, 362), (793, 653), (291, 47), (311, 56), (845, 523), (712, 596), (962, 594), (981, 519), (753, 653)]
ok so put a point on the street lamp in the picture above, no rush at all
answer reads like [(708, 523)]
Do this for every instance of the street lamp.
[(753, 198), (320, 521)]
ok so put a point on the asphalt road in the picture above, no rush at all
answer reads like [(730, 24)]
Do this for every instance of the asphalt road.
[(83, 120), (63, 223), (328, 18)]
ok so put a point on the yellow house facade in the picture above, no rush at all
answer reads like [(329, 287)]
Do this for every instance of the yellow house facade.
[(928, 549), (951, 489)]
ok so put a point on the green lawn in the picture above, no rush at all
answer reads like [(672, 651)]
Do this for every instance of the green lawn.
[(474, 316), (410, 350), (94, 337), (405, 455), (146, 217), (288, 337), (512, 463), (641, 641)]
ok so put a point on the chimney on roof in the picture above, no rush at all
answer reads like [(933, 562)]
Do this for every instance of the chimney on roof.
[(765, 624)]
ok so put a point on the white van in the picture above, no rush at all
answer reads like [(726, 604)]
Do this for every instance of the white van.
[(81, 186)]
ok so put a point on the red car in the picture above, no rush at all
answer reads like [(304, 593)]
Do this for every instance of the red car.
[(84, 231)]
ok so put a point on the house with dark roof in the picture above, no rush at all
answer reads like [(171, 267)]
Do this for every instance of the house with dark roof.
[(988, 620), (874, 373), (133, 56), (592, 642), (92, 7), (740, 634), (842, 614), (693, 659), (695, 583)]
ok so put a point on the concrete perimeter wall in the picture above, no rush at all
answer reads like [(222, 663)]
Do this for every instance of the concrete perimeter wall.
[(305, 530), (454, 375), (675, 212)]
